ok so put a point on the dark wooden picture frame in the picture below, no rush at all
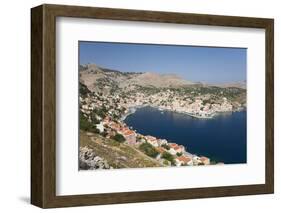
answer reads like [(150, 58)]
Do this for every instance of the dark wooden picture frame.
[(43, 105)]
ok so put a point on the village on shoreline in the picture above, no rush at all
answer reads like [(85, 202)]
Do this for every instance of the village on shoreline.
[(115, 109), (181, 155)]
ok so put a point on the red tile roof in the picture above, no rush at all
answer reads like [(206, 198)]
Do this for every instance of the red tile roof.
[(204, 158), (128, 132), (176, 146), (184, 159)]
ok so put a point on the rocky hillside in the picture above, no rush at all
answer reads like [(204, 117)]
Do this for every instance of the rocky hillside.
[(97, 78), (88, 160), (100, 79), (97, 152), (153, 79)]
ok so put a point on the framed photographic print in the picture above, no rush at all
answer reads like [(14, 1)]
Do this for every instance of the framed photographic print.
[(137, 106)]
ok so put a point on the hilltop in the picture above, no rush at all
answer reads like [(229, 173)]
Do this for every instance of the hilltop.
[(97, 78)]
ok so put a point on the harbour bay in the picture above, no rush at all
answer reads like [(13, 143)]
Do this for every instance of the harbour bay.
[(222, 138)]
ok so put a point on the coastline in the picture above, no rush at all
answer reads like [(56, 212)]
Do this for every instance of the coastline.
[(190, 151), (195, 157), (133, 109)]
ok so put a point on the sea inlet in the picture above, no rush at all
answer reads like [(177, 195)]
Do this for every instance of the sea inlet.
[(222, 138)]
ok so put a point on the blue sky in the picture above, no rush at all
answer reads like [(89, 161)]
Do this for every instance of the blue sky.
[(197, 64)]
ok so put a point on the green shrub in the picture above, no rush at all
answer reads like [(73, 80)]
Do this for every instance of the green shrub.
[(179, 154), (205, 102), (83, 89), (86, 125), (166, 146), (118, 137), (101, 112), (148, 149), (166, 162), (94, 118), (169, 157)]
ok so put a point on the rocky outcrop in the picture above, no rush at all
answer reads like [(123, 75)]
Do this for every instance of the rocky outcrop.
[(88, 160)]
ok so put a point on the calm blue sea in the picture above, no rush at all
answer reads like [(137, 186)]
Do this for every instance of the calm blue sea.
[(222, 138)]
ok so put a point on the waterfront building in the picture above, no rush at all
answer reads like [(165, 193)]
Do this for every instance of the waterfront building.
[(175, 148), (152, 140), (205, 160), (130, 136), (183, 160)]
